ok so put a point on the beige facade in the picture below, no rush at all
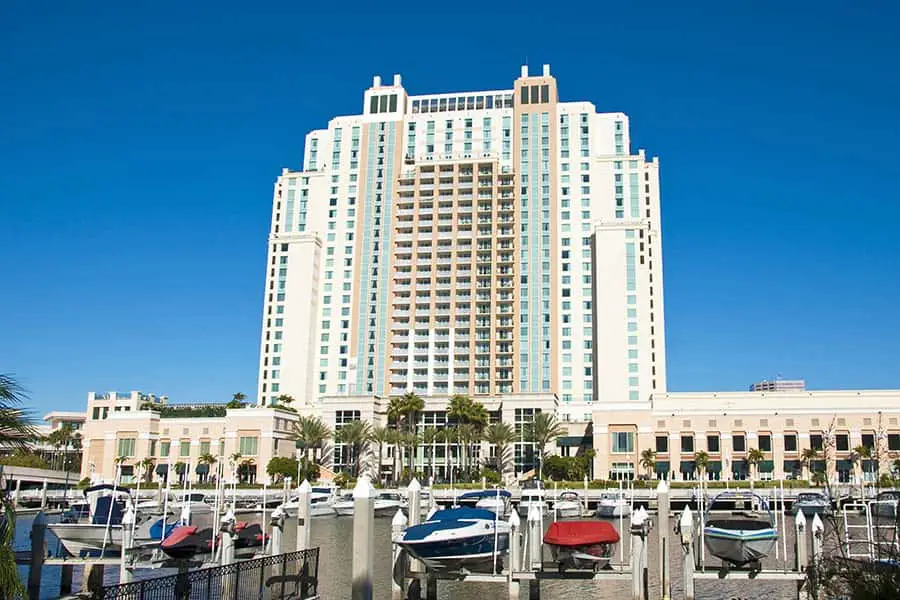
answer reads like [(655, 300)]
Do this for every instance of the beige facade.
[(728, 425)]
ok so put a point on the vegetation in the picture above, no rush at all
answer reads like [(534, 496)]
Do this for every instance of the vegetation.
[(490, 476), (701, 463), (181, 412), (16, 432), (280, 467), (648, 461), (310, 434), (147, 465), (356, 435), (237, 401), (471, 418), (501, 436), (24, 459), (381, 436), (541, 431), (754, 457), (562, 468)]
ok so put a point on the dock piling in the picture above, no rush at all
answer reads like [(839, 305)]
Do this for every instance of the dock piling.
[(515, 555), (92, 579), (640, 528), (44, 495), (414, 502), (276, 541), (15, 498), (363, 567), (662, 537), (398, 581), (304, 496), (127, 543), (65, 580), (802, 556), (686, 528), (38, 552)]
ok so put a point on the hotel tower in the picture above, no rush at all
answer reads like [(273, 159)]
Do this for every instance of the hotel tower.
[(502, 244)]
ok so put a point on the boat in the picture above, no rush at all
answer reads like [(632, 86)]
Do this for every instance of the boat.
[(386, 504), (612, 504), (457, 538), (321, 503), (741, 538), (102, 530), (77, 511), (812, 503), (493, 500), (187, 541), (568, 505), (532, 495), (581, 544), (885, 504)]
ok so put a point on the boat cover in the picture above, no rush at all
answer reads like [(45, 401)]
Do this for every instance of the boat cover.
[(453, 518), (179, 535), (581, 533), (479, 494)]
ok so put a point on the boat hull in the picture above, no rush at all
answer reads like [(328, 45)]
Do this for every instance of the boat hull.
[(613, 510), (740, 547), (567, 510), (84, 537), (525, 507), (469, 552), (594, 557)]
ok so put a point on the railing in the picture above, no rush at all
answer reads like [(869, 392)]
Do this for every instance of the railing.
[(291, 576)]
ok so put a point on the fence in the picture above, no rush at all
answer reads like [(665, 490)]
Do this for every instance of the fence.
[(291, 576)]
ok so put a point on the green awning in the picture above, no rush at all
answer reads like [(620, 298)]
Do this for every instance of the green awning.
[(714, 466), (844, 465), (688, 466), (766, 466), (202, 469), (792, 466), (817, 466), (739, 466), (662, 466), (870, 465), (574, 441), (162, 469)]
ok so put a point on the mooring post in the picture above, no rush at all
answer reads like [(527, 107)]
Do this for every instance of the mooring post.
[(226, 528), (535, 537), (92, 579), (304, 499), (276, 540), (38, 552), (65, 580), (363, 539), (127, 543), (515, 555), (802, 556), (15, 498), (431, 588), (640, 527), (44, 495), (398, 580), (686, 528), (662, 537), (414, 502), (818, 534)]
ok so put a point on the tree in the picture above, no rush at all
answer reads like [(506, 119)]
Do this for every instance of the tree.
[(807, 457), (280, 467), (381, 436), (237, 400), (206, 459), (311, 433), (16, 430), (701, 463), (285, 399), (541, 431), (356, 435), (430, 436), (754, 457), (147, 465), (859, 454), (501, 436), (246, 471), (471, 418), (648, 461)]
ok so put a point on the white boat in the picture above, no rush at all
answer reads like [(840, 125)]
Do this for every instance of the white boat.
[(812, 503), (613, 504), (457, 538), (532, 496), (496, 501), (102, 531), (386, 504), (568, 505), (343, 506), (321, 503), (740, 540)]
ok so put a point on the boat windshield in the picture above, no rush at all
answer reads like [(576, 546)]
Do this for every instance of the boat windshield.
[(388, 496)]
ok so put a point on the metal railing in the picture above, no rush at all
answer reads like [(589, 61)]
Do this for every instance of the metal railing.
[(291, 576)]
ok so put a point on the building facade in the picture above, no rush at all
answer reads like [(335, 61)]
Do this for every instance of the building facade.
[(779, 385), (482, 243)]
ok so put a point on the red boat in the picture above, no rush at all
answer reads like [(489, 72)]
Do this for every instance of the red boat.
[(581, 544)]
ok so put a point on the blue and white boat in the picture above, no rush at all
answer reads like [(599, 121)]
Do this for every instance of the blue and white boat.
[(740, 539), (496, 501), (457, 538)]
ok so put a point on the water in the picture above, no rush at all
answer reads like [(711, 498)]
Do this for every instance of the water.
[(334, 536)]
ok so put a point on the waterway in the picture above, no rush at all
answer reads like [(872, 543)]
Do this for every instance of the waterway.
[(334, 537)]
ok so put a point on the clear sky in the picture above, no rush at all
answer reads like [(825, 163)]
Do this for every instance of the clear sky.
[(139, 142)]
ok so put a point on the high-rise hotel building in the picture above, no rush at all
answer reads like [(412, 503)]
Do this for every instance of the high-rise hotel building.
[(494, 243)]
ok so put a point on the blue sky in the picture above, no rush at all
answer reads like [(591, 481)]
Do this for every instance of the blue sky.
[(139, 143)]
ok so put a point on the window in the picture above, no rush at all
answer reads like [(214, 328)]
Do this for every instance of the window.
[(622, 441), (842, 442), (185, 449), (126, 447), (765, 442), (868, 440), (248, 446), (687, 444), (815, 441), (790, 442), (712, 444), (165, 448), (662, 444), (739, 443), (204, 448)]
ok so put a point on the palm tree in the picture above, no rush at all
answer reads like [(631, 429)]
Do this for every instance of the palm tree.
[(310, 433), (701, 463), (381, 436), (206, 459), (16, 432), (450, 436), (356, 435), (411, 441), (541, 431), (237, 400), (147, 465), (648, 461), (807, 457), (245, 470), (412, 406), (754, 457), (859, 454), (501, 436), (285, 399), (430, 436), (471, 418)]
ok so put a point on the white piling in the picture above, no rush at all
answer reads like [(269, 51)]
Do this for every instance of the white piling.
[(535, 538), (414, 501), (276, 541), (127, 543), (38, 552), (363, 567), (800, 528), (226, 528), (515, 555), (44, 495), (304, 496), (818, 532), (398, 526), (662, 537), (640, 527), (15, 498), (686, 527)]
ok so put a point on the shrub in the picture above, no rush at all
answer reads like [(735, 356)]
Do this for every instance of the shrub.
[(490, 475)]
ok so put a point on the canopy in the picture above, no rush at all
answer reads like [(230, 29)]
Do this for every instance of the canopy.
[(162, 469), (714, 466), (479, 494), (662, 466), (574, 440), (688, 466), (202, 469), (581, 533), (766, 466), (844, 465)]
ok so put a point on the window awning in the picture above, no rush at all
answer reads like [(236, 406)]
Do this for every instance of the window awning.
[(844, 465), (766, 466), (574, 441), (202, 469), (162, 468), (714, 466), (662, 466), (870, 464), (739, 466), (688, 466), (817, 466)]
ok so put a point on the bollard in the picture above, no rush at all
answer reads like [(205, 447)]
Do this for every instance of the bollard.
[(640, 527), (44, 495), (226, 528), (15, 498), (304, 495), (414, 500), (38, 552), (65, 580), (276, 541), (127, 543), (92, 580), (515, 555), (398, 581), (431, 588), (363, 539), (662, 537), (686, 529), (800, 527), (535, 539)]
